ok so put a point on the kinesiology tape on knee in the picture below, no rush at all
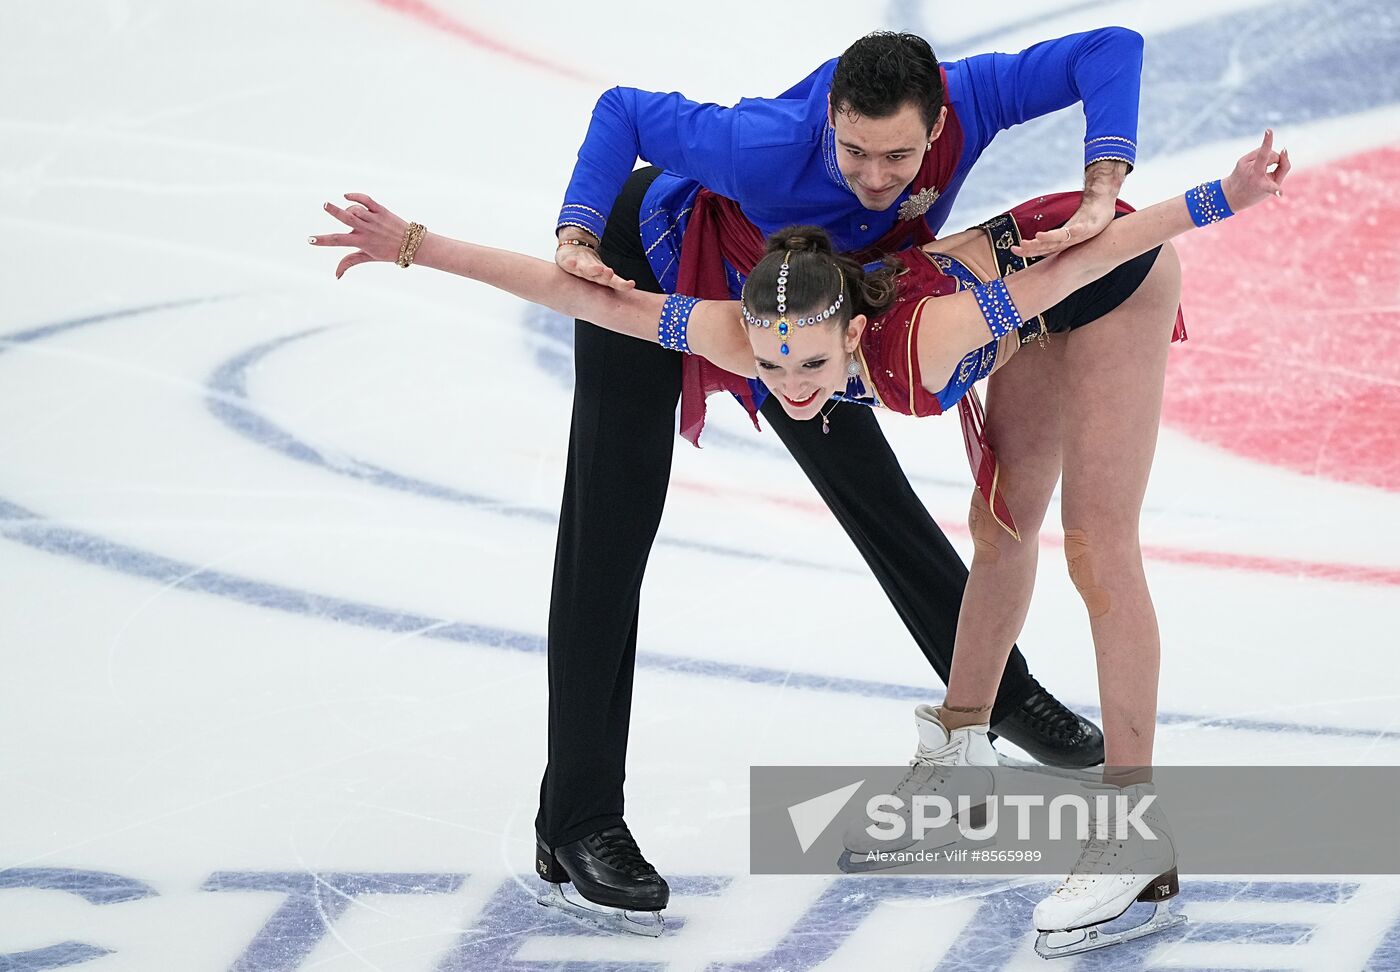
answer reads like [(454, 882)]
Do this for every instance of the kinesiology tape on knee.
[(1084, 573)]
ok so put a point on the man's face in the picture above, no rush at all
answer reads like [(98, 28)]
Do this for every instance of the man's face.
[(814, 368), (880, 156)]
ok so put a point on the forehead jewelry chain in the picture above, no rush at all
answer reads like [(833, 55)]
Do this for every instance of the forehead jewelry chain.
[(782, 301), (783, 324)]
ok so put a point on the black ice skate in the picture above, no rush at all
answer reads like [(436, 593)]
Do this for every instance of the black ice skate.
[(620, 890), (1052, 734)]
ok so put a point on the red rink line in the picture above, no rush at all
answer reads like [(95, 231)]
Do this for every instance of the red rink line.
[(1209, 559), (430, 16), (1292, 359), (1280, 566)]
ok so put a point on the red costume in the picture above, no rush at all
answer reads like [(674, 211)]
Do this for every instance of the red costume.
[(889, 342)]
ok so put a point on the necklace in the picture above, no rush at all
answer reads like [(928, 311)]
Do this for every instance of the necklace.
[(852, 378)]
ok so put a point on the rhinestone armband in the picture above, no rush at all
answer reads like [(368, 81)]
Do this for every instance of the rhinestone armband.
[(675, 321), (1206, 204), (996, 306)]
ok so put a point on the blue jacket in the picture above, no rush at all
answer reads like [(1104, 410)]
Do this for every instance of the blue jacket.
[(776, 157)]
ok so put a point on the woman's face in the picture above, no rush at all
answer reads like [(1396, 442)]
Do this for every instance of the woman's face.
[(814, 367)]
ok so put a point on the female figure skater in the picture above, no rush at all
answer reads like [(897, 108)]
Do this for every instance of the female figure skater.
[(913, 338)]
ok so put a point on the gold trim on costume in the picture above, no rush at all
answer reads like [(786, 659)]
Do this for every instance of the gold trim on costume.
[(668, 231), (869, 375), (992, 501), (1110, 138), (1111, 158), (1014, 229)]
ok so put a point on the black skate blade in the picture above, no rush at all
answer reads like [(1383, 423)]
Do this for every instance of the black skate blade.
[(1060, 944), (1090, 774), (649, 924)]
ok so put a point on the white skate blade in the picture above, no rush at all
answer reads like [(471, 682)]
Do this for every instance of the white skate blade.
[(647, 923), (1058, 944)]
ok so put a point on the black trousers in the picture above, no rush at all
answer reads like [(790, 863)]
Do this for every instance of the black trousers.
[(619, 466)]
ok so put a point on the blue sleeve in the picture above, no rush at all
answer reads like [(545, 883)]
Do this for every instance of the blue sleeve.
[(687, 138), (1101, 68)]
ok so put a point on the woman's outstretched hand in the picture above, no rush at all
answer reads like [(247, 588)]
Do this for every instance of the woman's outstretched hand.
[(376, 233), (1257, 176)]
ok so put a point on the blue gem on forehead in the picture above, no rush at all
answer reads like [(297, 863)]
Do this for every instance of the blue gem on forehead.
[(783, 327), (784, 348)]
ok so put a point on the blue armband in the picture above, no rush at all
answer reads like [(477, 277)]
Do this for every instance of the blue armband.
[(995, 303), (1206, 204), (675, 321)]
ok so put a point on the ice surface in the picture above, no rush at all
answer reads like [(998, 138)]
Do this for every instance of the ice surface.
[(275, 549)]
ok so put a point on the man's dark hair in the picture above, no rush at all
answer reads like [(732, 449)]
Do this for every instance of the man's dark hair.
[(882, 72)]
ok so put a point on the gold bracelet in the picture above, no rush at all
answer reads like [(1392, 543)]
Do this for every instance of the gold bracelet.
[(412, 237)]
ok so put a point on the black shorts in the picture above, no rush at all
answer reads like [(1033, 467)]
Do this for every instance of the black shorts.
[(1103, 296)]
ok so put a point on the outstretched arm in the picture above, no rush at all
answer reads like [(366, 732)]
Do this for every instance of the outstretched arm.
[(954, 325), (378, 236)]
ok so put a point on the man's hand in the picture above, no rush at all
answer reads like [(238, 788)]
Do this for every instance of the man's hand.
[(1102, 180), (583, 261)]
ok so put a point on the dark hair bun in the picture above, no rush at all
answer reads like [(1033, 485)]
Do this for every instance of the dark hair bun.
[(816, 273), (800, 239)]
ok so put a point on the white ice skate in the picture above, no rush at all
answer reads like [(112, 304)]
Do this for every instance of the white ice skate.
[(1110, 876), (938, 751)]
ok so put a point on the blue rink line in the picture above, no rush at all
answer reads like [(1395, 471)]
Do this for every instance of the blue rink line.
[(1215, 78), (911, 15), (44, 331), (228, 388), (29, 528), (496, 936), (228, 401)]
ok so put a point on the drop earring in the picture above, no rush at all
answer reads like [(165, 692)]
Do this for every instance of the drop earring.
[(855, 388)]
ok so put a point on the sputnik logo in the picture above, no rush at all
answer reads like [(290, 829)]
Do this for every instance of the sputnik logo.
[(810, 818)]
